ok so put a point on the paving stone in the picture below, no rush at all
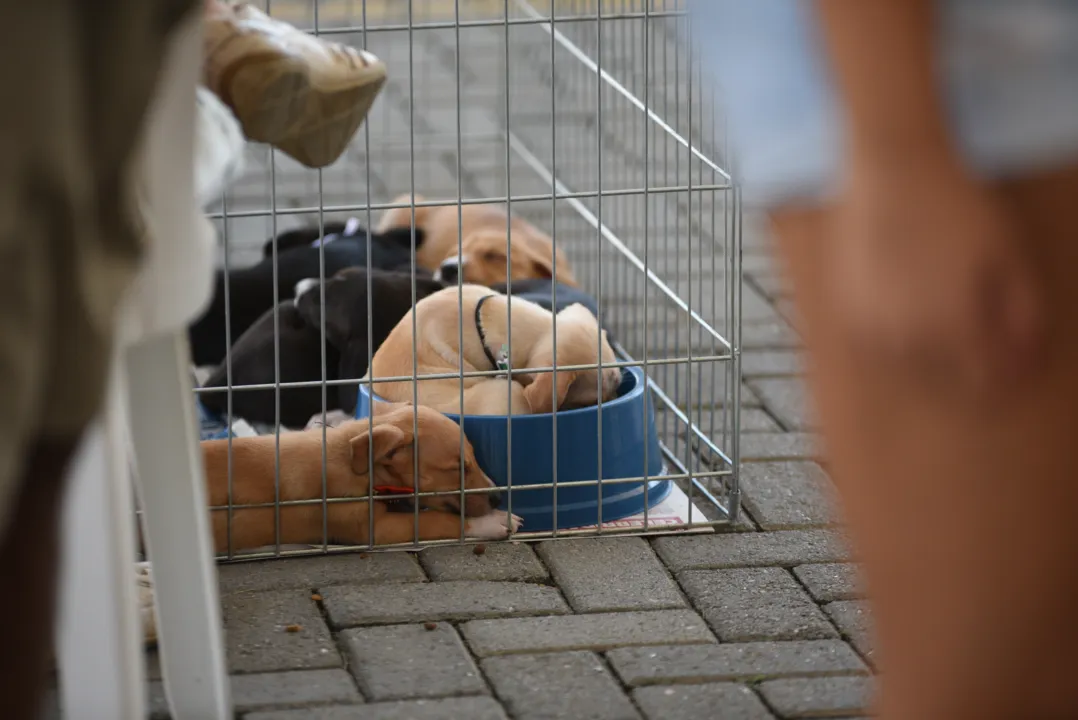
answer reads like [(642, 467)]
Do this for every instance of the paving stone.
[(401, 662), (257, 640), (319, 571), (831, 581), (471, 708), (553, 686), (772, 446), (608, 574), (746, 604), (723, 550), (453, 600), (777, 335), (855, 622), (816, 697), (693, 702), (514, 562), (277, 690), (787, 495), (785, 398), (770, 363), (585, 632), (733, 661), (757, 420)]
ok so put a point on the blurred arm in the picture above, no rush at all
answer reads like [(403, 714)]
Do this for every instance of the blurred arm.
[(883, 56)]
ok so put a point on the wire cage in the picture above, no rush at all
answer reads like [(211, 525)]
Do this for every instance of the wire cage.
[(592, 120)]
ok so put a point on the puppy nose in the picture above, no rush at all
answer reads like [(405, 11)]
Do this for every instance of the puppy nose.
[(495, 499), (448, 271)]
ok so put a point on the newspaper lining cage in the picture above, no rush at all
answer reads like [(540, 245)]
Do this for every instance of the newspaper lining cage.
[(598, 128)]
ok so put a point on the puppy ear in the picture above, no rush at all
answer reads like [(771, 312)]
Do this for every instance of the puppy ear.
[(381, 443), (340, 291), (542, 266), (539, 393)]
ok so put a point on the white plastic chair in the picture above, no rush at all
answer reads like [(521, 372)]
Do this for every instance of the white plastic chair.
[(150, 409)]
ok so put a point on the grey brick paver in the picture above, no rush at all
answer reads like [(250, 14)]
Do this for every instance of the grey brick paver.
[(746, 604), (827, 582), (786, 548), (318, 572), (515, 562), (757, 420), (415, 602), (695, 702), (785, 398), (257, 636), (556, 686), (772, 446), (609, 574), (733, 661), (277, 690), (854, 621), (585, 632), (788, 495), (771, 362), (467, 708), (818, 697), (400, 662)]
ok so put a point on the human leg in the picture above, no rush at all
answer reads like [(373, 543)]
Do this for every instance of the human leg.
[(973, 610)]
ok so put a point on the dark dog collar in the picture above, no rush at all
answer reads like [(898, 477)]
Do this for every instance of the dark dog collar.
[(496, 363)]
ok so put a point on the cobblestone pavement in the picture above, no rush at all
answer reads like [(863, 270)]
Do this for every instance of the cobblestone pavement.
[(763, 621)]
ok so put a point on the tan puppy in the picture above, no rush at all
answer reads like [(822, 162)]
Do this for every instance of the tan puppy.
[(349, 448), (482, 254), (486, 336)]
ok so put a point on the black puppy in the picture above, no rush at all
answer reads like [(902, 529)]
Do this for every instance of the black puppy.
[(250, 289), (347, 325), (300, 357), (300, 353)]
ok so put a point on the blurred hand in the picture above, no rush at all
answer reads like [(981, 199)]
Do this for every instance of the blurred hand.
[(930, 274)]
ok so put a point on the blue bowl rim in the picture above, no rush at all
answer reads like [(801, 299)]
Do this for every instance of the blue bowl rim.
[(639, 381)]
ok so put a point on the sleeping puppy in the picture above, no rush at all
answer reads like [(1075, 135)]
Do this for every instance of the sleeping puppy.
[(350, 449), (306, 236), (347, 320), (300, 354), (251, 288), (483, 254), (485, 347)]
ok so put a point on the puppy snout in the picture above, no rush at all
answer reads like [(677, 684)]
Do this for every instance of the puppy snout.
[(495, 499), (449, 271)]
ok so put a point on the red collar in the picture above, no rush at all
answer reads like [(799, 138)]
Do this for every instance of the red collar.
[(393, 490)]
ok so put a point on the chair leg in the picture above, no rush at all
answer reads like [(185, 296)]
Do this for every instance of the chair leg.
[(172, 487), (99, 638)]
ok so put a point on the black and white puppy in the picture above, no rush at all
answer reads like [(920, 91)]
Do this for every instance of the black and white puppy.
[(300, 347), (251, 289)]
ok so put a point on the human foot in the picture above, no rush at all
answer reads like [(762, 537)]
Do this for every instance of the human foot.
[(304, 95)]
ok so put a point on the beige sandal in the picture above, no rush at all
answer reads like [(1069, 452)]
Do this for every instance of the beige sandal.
[(304, 95)]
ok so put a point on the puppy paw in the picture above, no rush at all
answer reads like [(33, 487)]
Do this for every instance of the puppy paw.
[(493, 526)]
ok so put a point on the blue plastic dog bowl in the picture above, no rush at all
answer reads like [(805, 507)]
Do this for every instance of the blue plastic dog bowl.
[(628, 427)]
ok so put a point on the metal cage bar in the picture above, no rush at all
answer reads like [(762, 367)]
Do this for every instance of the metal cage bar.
[(592, 120)]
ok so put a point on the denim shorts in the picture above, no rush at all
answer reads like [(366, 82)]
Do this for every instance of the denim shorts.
[(1008, 72)]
